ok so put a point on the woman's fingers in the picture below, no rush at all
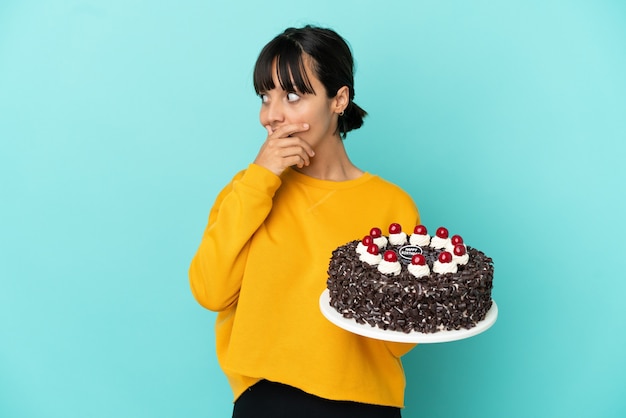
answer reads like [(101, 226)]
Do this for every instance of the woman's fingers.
[(282, 149), (276, 154), (290, 131)]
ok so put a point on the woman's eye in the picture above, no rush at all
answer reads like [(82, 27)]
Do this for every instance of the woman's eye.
[(263, 97), (292, 97)]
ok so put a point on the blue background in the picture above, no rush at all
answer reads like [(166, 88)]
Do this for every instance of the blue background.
[(120, 120)]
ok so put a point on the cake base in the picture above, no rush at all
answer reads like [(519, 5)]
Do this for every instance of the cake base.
[(366, 330)]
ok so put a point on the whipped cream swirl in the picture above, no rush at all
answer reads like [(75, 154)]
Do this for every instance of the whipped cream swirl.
[(370, 258), (397, 239), (389, 267), (361, 248), (381, 242), (437, 242), (420, 240), (418, 271), (443, 268), (460, 259)]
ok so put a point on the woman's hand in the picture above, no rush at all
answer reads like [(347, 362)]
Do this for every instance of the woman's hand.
[(282, 149)]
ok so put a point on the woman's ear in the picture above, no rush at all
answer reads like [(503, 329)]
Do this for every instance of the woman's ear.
[(341, 99)]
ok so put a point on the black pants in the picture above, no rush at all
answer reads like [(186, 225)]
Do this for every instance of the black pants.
[(276, 400)]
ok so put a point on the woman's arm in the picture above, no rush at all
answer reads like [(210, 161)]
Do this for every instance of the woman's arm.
[(241, 207)]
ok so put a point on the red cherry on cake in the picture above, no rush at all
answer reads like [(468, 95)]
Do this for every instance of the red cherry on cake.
[(420, 230), (373, 249), (442, 232), (445, 257), (376, 232), (456, 240), (418, 260), (367, 240), (459, 250), (395, 228), (390, 256)]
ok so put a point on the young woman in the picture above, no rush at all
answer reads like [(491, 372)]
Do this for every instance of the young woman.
[(263, 257)]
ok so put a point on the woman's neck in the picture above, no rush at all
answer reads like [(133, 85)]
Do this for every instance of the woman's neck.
[(331, 162)]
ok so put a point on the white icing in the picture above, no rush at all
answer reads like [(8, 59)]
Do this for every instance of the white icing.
[(438, 243), (390, 267), (443, 268), (397, 239), (381, 242), (418, 271), (370, 259), (419, 240)]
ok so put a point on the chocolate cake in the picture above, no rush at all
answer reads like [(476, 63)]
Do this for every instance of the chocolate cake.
[(452, 292)]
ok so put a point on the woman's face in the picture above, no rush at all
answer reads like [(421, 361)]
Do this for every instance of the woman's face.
[(280, 107)]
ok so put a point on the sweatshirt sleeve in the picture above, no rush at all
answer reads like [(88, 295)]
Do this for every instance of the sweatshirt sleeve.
[(240, 208)]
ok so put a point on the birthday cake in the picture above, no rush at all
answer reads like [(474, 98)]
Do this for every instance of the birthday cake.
[(413, 282)]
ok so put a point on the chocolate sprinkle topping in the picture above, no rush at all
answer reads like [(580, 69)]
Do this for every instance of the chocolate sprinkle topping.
[(404, 303)]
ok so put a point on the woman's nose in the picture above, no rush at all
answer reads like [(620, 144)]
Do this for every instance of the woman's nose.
[(274, 113)]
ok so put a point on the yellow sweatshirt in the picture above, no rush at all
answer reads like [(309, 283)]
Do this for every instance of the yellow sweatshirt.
[(262, 265)]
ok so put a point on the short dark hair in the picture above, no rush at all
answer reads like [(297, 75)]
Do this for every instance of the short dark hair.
[(332, 63)]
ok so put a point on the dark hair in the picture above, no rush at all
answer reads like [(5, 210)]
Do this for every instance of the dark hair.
[(332, 63)]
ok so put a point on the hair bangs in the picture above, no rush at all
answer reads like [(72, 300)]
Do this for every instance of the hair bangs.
[(283, 58)]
